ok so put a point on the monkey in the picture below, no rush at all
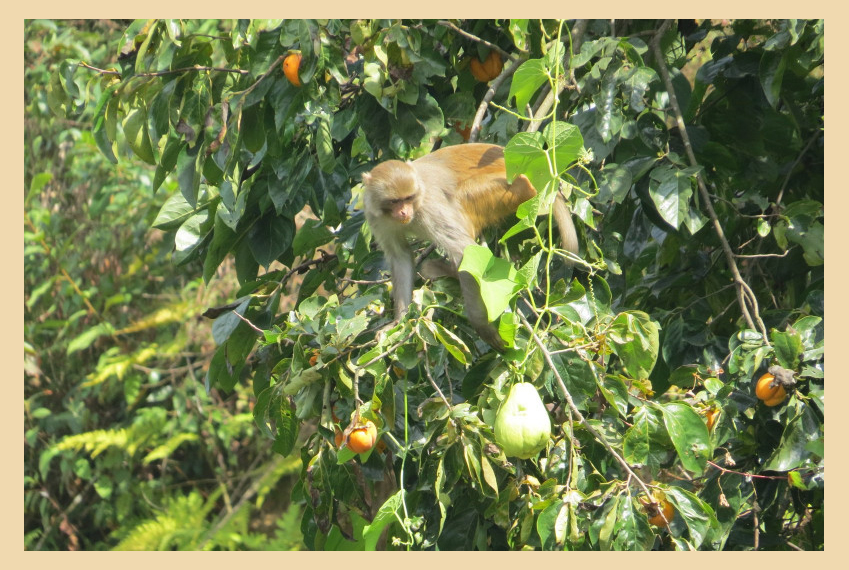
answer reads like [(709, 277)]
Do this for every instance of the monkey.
[(447, 197)]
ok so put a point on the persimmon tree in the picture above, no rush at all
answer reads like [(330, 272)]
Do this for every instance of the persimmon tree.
[(691, 153)]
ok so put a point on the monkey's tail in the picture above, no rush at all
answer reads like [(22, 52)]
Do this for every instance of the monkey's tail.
[(563, 217)]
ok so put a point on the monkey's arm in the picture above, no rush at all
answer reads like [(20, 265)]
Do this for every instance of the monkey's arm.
[(401, 265)]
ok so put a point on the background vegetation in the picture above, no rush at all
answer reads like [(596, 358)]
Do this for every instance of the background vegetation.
[(202, 298)]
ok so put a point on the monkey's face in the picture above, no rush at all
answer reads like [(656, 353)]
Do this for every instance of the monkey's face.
[(402, 210), (392, 192)]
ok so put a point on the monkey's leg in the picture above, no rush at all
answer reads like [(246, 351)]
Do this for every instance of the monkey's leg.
[(436, 268)]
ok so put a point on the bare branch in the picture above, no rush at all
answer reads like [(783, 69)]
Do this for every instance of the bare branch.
[(745, 297), (490, 93)]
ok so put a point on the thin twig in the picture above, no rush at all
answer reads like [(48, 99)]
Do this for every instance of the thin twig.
[(760, 255), (438, 391), (793, 167), (474, 38), (726, 470), (165, 71)]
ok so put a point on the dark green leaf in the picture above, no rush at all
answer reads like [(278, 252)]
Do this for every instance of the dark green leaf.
[(689, 435)]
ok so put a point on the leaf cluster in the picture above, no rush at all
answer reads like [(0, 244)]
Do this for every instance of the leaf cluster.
[(659, 136)]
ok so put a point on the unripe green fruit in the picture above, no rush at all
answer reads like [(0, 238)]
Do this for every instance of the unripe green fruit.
[(522, 425)]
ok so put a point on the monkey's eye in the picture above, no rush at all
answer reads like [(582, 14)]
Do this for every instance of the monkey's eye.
[(403, 200)]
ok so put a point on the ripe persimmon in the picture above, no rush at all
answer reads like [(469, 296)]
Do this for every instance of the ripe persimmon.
[(362, 438), (663, 506), (493, 64), (769, 390), (486, 70), (463, 130), (712, 416), (291, 65)]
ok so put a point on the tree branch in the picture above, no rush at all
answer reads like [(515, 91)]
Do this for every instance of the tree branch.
[(745, 296), (490, 93)]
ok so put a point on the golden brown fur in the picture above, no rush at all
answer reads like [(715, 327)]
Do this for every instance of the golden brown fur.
[(447, 197)]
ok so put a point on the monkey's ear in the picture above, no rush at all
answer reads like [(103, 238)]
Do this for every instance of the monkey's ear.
[(366, 177)]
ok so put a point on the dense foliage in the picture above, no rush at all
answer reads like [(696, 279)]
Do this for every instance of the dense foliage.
[(123, 446), (691, 153)]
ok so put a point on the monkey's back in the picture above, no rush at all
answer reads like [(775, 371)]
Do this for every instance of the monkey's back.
[(474, 178)]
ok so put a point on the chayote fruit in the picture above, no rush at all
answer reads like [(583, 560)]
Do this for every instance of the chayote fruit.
[(522, 425)]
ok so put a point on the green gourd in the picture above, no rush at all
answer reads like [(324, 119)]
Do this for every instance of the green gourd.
[(522, 425)]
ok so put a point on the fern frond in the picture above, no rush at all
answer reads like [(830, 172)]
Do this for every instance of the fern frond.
[(178, 527), (94, 442), (167, 448)]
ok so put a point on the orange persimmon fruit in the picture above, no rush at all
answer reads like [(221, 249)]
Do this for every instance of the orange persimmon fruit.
[(772, 395), (362, 438), (291, 65), (488, 69)]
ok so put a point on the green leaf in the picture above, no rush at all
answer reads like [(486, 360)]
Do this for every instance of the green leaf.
[(519, 33), (788, 348), (288, 426), (174, 212), (771, 74), (168, 161), (496, 277), (188, 176), (615, 182), (524, 154), (551, 525), (223, 240), (225, 324), (414, 123), (646, 441), (252, 129), (85, 340), (527, 80), (39, 181), (792, 452), (100, 131), (634, 337), (192, 234), (270, 237), (136, 133), (452, 343), (671, 193), (567, 142), (689, 435), (385, 516), (312, 234), (324, 145), (697, 514)]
